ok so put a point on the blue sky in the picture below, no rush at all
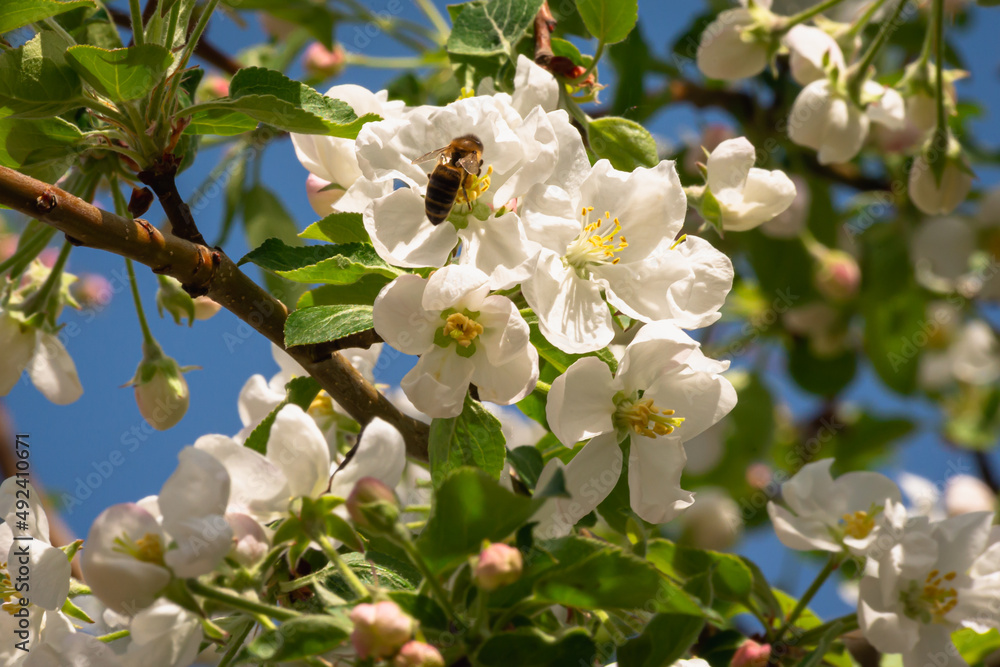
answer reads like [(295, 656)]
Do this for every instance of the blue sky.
[(100, 451)]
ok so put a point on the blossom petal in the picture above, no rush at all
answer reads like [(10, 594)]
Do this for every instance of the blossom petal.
[(198, 487), (766, 195), (258, 487), (402, 234), (298, 447), (657, 348), (807, 119), (200, 544), (888, 109), (571, 313), (654, 478), (400, 319), (700, 395), (887, 631), (844, 133), (53, 372), (455, 286), (803, 533), (37, 521), (499, 248), (18, 348), (505, 333), (579, 404), (534, 86), (437, 385), (507, 383), (50, 572), (728, 166), (722, 53), (379, 453), (809, 47), (966, 536), (590, 477)]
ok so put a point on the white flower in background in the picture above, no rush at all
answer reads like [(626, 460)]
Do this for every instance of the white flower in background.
[(974, 356), (57, 644), (49, 365), (164, 635), (133, 550), (380, 453), (824, 119), (922, 495), (937, 578), (518, 152), (831, 515), (727, 51), (964, 494), (747, 196), (941, 249), (940, 197), (617, 234), (705, 451), (664, 392), (713, 522), (332, 161), (462, 334), (812, 52)]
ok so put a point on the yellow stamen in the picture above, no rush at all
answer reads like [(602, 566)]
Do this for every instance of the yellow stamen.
[(591, 247), (147, 548), (462, 329), (858, 525), (474, 187), (641, 416)]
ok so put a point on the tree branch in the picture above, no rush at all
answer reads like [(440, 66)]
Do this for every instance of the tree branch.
[(211, 272)]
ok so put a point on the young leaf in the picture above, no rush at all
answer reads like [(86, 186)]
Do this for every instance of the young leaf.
[(325, 323), (338, 228), (350, 263), (624, 142), (488, 28), (527, 463), (220, 122), (531, 647), (19, 13), (471, 439), (732, 580), (469, 507), (301, 391), (609, 20), (43, 148), (362, 292), (35, 79), (121, 74), (299, 638), (665, 638)]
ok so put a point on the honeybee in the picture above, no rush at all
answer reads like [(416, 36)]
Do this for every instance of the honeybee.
[(458, 166)]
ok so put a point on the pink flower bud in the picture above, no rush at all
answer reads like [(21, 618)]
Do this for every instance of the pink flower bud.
[(418, 654), (322, 62), (92, 291), (839, 276), (499, 565), (373, 505), (8, 245), (379, 629), (751, 654), (321, 198)]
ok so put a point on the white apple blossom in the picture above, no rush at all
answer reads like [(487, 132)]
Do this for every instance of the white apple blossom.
[(618, 234), (164, 635), (812, 52), (747, 196), (58, 644), (332, 161), (935, 578), (519, 151), (825, 119), (462, 335), (49, 365), (940, 197), (664, 392), (727, 50), (790, 222), (831, 515), (964, 494)]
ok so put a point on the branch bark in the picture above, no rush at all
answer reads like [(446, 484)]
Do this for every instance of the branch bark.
[(213, 273)]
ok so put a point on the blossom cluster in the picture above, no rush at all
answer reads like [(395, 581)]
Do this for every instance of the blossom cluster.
[(924, 576)]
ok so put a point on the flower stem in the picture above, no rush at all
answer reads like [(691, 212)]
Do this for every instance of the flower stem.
[(111, 636), (860, 70), (147, 335), (387, 62), (593, 63), (352, 579), (942, 119), (137, 30), (428, 8), (803, 602), (235, 644), (237, 602), (864, 19), (542, 387), (430, 577), (790, 21)]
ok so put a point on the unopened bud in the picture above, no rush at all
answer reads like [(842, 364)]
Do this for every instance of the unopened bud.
[(92, 290), (321, 62), (213, 87), (380, 629), (940, 196), (160, 389), (250, 541), (418, 654), (751, 654), (713, 522), (839, 276), (499, 565), (204, 308), (172, 298), (373, 505)]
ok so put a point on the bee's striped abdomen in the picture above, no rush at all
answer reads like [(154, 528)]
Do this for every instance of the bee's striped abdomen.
[(442, 188)]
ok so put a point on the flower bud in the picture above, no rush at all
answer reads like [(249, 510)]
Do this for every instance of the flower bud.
[(940, 197), (418, 654), (250, 541), (172, 298), (499, 565), (212, 87), (160, 389), (838, 277), (713, 522), (92, 291), (379, 629), (965, 493), (205, 308), (751, 654), (321, 195), (373, 505), (323, 63), (731, 47)]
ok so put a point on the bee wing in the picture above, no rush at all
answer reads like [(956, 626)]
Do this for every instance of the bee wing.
[(470, 163), (430, 156)]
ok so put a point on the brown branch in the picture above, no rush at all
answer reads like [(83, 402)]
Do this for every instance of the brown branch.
[(545, 23), (213, 273), (160, 177), (204, 49)]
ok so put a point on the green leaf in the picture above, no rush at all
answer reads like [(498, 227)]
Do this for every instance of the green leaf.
[(665, 638), (271, 97), (121, 74), (325, 323), (488, 28), (531, 647), (732, 580), (473, 438), (825, 376), (299, 638), (73, 611), (362, 292), (624, 142), (220, 122), (895, 332), (711, 210), (332, 264), (338, 228), (35, 79), (598, 575), (299, 391), (44, 149), (560, 360), (527, 463), (469, 507), (19, 13), (975, 647), (275, 255), (609, 20)]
